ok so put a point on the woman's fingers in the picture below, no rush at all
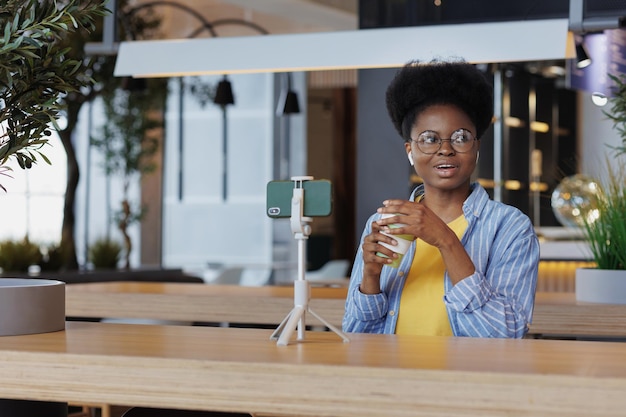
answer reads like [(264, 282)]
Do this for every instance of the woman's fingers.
[(372, 249)]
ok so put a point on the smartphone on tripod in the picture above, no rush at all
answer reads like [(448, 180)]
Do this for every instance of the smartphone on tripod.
[(317, 198)]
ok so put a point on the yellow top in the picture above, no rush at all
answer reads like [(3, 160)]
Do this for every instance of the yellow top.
[(422, 310)]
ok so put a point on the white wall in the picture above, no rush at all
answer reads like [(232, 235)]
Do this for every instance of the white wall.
[(595, 132)]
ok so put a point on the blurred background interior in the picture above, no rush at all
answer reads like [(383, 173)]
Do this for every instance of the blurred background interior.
[(205, 201)]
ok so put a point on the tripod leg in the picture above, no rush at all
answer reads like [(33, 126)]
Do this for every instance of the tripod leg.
[(281, 326), (294, 318), (330, 326)]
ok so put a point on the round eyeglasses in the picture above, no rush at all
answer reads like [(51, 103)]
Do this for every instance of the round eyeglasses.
[(430, 142)]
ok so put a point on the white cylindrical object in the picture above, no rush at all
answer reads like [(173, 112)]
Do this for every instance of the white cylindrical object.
[(29, 306), (403, 244), (302, 293), (404, 241)]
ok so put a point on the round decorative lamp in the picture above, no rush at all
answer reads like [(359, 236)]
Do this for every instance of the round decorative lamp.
[(574, 200)]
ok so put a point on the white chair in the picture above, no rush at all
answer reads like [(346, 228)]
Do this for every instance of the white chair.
[(250, 277), (255, 277), (229, 276), (332, 271)]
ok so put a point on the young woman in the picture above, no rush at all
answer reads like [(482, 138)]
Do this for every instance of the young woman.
[(472, 269)]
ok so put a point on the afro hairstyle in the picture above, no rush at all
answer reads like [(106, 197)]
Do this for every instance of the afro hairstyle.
[(417, 86)]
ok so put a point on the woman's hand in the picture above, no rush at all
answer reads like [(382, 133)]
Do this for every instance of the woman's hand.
[(416, 220), (423, 223), (373, 263)]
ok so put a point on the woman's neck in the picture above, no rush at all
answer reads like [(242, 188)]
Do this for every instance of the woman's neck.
[(448, 205)]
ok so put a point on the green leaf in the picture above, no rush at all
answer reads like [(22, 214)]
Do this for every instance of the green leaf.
[(16, 23), (7, 33), (45, 158)]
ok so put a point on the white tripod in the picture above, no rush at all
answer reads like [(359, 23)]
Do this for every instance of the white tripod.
[(302, 289)]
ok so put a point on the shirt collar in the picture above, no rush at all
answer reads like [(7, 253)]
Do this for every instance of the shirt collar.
[(472, 206)]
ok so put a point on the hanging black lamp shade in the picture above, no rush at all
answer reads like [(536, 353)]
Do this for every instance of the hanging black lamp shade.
[(287, 103), (224, 93), (291, 103), (582, 58), (288, 100)]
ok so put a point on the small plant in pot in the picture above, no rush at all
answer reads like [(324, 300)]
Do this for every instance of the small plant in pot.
[(17, 256), (606, 232), (105, 253)]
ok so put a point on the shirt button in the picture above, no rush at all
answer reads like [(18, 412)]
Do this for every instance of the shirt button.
[(401, 273), (392, 313)]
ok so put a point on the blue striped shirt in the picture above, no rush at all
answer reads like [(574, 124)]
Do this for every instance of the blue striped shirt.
[(496, 301)]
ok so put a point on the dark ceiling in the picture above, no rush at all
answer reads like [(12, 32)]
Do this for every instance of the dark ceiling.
[(395, 13)]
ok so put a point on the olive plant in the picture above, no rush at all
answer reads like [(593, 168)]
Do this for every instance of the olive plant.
[(36, 72)]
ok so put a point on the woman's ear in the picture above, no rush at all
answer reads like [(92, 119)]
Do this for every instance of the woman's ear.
[(409, 152)]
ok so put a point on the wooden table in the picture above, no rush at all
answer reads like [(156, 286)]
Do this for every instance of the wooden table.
[(555, 313), (198, 302), (560, 314), (235, 369)]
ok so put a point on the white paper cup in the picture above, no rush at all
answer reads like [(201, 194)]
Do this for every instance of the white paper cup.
[(404, 242)]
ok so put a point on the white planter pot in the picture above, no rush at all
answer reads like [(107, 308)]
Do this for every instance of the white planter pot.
[(601, 286), (30, 306)]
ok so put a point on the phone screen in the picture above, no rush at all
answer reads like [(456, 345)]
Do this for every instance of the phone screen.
[(317, 198)]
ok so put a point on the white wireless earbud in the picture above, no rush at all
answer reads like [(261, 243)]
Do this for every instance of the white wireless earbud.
[(410, 156), (477, 156)]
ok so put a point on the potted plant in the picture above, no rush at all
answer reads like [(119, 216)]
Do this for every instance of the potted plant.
[(606, 231), (105, 253), (17, 256)]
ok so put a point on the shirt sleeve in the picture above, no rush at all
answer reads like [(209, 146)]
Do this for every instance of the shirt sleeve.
[(364, 313), (498, 299)]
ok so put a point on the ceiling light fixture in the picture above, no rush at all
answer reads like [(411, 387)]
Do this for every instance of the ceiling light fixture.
[(582, 57), (288, 100), (336, 50), (599, 99), (224, 93)]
